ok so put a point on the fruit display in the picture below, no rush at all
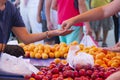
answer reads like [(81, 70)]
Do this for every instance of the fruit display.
[(60, 70), (101, 57), (41, 51)]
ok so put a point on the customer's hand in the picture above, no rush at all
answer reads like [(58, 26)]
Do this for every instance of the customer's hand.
[(115, 48), (14, 50), (67, 24)]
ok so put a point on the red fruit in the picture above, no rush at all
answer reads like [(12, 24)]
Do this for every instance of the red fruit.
[(33, 75), (107, 74), (78, 67), (77, 78), (87, 67), (66, 68), (89, 72), (55, 75), (55, 71), (82, 72), (68, 73), (49, 76), (83, 78), (37, 77), (99, 79), (52, 66), (76, 74), (94, 75), (45, 78), (60, 66), (40, 73), (27, 77), (101, 74), (59, 78), (27, 54)]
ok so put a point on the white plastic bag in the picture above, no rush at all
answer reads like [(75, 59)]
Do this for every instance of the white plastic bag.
[(81, 58), (88, 41), (16, 66)]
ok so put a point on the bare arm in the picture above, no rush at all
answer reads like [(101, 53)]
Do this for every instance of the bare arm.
[(94, 14), (27, 38), (82, 9), (47, 12), (39, 10), (54, 4), (114, 76)]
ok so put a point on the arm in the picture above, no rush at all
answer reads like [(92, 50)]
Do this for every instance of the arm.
[(47, 12), (54, 4), (27, 38), (39, 10), (94, 14), (114, 76), (82, 9)]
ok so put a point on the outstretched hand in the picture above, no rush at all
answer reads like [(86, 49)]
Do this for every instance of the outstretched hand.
[(67, 24), (60, 32), (115, 48)]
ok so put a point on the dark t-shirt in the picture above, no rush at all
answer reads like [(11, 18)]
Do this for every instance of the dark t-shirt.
[(9, 18)]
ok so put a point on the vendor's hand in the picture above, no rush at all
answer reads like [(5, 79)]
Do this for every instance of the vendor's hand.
[(67, 24), (60, 32), (14, 50)]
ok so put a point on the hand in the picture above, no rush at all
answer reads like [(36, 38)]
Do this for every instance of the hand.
[(39, 18), (114, 49), (114, 76), (50, 26), (67, 24), (59, 32), (89, 31), (14, 50)]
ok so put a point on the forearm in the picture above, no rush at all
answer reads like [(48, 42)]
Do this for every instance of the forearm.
[(47, 9), (98, 13), (114, 76), (40, 8), (82, 9)]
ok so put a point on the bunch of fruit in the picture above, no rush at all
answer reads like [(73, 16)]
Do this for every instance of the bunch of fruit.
[(102, 57), (41, 51), (60, 70)]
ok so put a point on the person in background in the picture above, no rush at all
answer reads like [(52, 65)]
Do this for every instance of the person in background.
[(116, 18), (70, 9), (41, 18), (52, 20), (103, 25), (11, 21), (97, 14)]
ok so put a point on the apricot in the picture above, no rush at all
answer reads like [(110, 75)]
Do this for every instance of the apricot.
[(100, 55), (51, 55), (32, 79), (57, 54), (65, 55), (57, 60), (99, 61), (38, 55), (114, 64), (64, 62), (32, 54), (44, 56)]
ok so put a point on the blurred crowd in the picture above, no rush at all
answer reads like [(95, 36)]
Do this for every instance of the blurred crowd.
[(44, 15)]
